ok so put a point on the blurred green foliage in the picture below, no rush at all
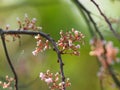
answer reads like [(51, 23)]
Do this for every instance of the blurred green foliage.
[(52, 15)]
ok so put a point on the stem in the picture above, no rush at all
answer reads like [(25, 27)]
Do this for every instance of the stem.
[(9, 61), (88, 13), (113, 75), (85, 17), (29, 32), (107, 20)]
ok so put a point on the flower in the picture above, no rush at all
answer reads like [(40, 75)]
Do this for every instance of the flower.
[(48, 80), (42, 45), (111, 52), (105, 52), (42, 76), (67, 42), (52, 80)]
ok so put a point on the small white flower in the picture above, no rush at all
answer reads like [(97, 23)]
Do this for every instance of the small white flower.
[(76, 32), (34, 53), (42, 76), (8, 25), (34, 20), (70, 42), (30, 25), (77, 46), (48, 80), (61, 32)]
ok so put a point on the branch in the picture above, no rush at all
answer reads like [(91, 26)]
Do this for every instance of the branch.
[(115, 79), (88, 13), (102, 38), (85, 17), (107, 20), (29, 32), (9, 61)]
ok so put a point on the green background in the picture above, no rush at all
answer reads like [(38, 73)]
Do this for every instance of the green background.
[(53, 16)]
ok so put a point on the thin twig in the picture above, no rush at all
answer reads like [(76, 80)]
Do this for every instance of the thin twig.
[(9, 61), (112, 73), (29, 32), (102, 38), (107, 20), (90, 18), (85, 17)]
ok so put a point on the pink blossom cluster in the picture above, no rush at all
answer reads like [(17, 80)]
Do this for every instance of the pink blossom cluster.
[(8, 83), (14, 36), (27, 24), (107, 55), (69, 42), (42, 45), (53, 80), (100, 48)]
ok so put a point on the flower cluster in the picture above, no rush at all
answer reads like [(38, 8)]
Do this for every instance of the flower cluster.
[(8, 83), (107, 55), (68, 42), (53, 80), (27, 24), (14, 36), (42, 45), (100, 48)]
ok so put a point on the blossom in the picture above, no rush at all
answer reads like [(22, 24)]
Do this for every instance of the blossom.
[(52, 80), (48, 80), (111, 52), (100, 48), (7, 83), (42, 76), (42, 45), (97, 47), (69, 42)]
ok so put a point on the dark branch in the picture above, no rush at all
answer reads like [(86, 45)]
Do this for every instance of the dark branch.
[(85, 17), (88, 13), (112, 73), (107, 20), (102, 38), (116, 80), (29, 32), (9, 61)]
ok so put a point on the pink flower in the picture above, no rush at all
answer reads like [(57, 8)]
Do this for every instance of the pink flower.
[(111, 52), (48, 80), (42, 76)]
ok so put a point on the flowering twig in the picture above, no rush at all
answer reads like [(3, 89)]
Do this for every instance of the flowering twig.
[(105, 53), (67, 41), (88, 13), (52, 80), (107, 20), (78, 4), (117, 82), (101, 37), (9, 61), (7, 83), (29, 32)]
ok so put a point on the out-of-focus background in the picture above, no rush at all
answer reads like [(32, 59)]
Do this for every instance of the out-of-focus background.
[(53, 16)]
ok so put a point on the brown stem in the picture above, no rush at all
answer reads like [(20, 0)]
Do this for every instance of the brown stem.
[(9, 61), (107, 20), (29, 32), (88, 13)]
